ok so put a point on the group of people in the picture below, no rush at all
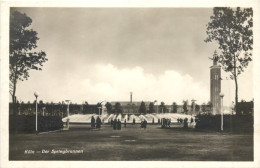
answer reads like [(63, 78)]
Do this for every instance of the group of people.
[(166, 122), (116, 124), (185, 121), (180, 120), (95, 123)]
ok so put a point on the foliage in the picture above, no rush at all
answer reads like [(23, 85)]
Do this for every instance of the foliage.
[(174, 107), (197, 108), (27, 123), (109, 107), (203, 107), (185, 107), (232, 30), (245, 108), (209, 106), (22, 56), (151, 107), (142, 108), (231, 123), (118, 108)]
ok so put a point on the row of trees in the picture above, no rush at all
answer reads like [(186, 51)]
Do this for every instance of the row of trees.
[(86, 108), (61, 109), (161, 108)]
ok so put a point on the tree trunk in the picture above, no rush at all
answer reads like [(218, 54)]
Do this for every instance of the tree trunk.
[(235, 77), (236, 95), (14, 91), (14, 84)]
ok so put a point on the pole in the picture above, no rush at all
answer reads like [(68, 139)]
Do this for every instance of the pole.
[(221, 110), (36, 117), (221, 114), (68, 109), (68, 112)]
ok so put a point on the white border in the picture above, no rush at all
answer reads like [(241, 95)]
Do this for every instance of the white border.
[(4, 79)]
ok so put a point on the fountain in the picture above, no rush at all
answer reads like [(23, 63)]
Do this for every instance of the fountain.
[(106, 118)]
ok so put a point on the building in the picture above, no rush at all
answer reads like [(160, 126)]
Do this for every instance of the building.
[(215, 85), (130, 107)]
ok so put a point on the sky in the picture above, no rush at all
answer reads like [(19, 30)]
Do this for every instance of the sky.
[(103, 54)]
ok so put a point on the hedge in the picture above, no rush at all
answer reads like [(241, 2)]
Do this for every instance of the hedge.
[(231, 123), (26, 123)]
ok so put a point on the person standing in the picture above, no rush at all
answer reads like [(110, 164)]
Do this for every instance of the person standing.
[(118, 124), (98, 122), (92, 122), (145, 124), (162, 122), (114, 124), (185, 123), (111, 122), (125, 123)]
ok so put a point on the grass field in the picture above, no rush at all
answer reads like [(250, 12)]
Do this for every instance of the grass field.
[(133, 143)]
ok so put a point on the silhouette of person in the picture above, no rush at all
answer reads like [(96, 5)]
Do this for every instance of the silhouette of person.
[(114, 124), (185, 123), (111, 122), (118, 124), (145, 123), (98, 122), (92, 122)]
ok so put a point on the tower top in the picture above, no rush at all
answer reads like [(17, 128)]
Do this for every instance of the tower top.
[(215, 58)]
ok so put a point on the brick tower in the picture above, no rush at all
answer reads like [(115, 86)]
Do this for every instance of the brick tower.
[(215, 84)]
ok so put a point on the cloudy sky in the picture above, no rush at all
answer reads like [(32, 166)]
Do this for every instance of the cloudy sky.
[(98, 54)]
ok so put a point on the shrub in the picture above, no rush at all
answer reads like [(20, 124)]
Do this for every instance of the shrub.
[(231, 123), (27, 123)]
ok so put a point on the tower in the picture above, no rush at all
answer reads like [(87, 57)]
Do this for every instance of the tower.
[(215, 84), (131, 96)]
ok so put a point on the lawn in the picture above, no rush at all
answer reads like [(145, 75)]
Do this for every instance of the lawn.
[(133, 143)]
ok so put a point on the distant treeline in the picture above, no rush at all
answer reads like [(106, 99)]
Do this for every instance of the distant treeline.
[(51, 109), (60, 109)]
